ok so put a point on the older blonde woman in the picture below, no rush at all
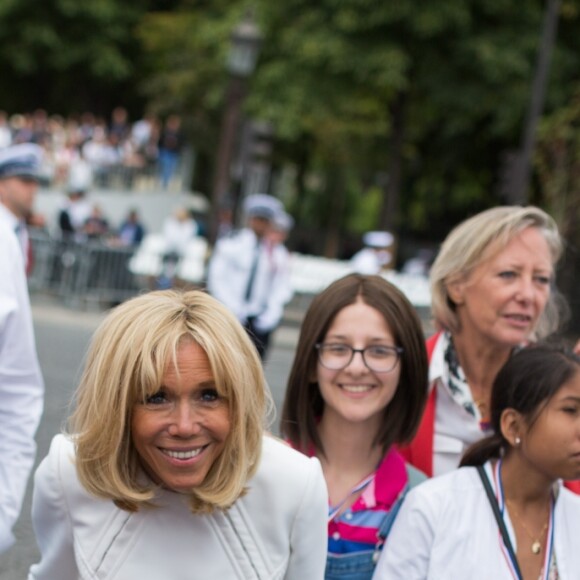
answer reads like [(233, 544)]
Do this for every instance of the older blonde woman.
[(493, 292), (166, 472)]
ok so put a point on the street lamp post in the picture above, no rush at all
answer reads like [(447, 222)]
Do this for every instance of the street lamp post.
[(243, 54)]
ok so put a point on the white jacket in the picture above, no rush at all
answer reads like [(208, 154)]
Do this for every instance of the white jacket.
[(276, 531), (21, 384), (446, 530)]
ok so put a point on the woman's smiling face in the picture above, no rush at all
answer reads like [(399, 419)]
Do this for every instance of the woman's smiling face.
[(181, 430), (356, 393)]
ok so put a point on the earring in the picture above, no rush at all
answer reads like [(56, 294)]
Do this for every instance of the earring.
[(517, 441)]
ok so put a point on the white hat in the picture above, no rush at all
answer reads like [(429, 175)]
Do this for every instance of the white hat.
[(22, 160), (283, 221), (378, 239), (262, 205)]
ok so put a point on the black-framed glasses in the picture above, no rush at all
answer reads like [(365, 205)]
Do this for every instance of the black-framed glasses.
[(377, 357)]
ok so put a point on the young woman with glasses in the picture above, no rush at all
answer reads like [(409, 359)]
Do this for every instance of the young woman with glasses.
[(356, 390)]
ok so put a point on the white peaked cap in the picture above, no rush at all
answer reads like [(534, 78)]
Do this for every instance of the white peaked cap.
[(378, 239)]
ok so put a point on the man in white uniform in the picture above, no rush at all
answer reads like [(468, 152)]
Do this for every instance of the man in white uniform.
[(245, 275), (376, 254), (21, 384)]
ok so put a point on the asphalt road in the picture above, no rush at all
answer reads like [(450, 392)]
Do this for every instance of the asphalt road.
[(62, 338)]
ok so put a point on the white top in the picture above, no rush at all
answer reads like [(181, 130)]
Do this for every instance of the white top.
[(21, 384), (79, 211), (455, 428), (178, 233), (446, 530), (368, 261), (229, 272), (276, 531)]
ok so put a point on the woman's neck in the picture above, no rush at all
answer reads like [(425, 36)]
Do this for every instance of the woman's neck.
[(349, 445), (523, 484), (480, 360)]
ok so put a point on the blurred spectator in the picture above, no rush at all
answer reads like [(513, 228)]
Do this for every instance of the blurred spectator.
[(96, 226), (5, 132), (39, 128), (86, 127), (170, 145), (102, 154), (118, 152), (225, 219), (376, 255), (244, 276), (178, 230), (131, 232), (420, 264), (119, 128), (76, 209)]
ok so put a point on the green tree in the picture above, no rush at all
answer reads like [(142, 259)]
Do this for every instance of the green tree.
[(419, 101), (66, 55)]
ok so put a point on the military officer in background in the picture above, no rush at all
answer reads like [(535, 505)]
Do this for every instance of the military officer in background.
[(21, 384), (376, 254), (245, 274)]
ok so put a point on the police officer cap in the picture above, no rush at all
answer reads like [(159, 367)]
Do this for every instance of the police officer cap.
[(283, 221), (22, 160), (378, 239), (262, 205)]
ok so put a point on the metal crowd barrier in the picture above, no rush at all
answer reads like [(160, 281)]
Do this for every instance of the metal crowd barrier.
[(81, 273)]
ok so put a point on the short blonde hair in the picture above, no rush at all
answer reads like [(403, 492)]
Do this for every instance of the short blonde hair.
[(126, 362), (473, 241)]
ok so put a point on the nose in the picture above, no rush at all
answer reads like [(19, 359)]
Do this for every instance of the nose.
[(357, 363), (185, 420), (526, 290)]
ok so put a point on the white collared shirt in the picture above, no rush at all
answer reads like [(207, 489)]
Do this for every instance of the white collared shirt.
[(229, 272), (455, 428), (446, 530), (21, 384)]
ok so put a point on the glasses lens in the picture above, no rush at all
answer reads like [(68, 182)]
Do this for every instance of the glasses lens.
[(376, 357), (381, 358), (334, 356)]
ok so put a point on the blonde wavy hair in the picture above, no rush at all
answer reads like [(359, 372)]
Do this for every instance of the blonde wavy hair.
[(475, 240), (125, 364)]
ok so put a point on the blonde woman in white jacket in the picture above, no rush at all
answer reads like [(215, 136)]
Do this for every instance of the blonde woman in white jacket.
[(166, 471), (447, 527)]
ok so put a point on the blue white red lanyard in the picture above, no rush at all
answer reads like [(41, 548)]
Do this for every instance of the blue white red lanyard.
[(333, 510), (550, 532)]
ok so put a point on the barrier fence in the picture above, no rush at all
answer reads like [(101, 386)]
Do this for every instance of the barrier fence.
[(100, 274), (81, 274)]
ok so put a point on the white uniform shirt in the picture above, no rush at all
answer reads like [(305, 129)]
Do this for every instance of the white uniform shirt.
[(230, 270), (21, 385), (446, 530)]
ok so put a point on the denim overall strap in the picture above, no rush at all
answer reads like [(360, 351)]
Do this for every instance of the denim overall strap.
[(389, 519), (361, 565)]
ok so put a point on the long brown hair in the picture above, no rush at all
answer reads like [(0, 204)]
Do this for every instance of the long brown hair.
[(303, 402)]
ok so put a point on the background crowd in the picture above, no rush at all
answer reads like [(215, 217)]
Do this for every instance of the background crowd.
[(115, 151)]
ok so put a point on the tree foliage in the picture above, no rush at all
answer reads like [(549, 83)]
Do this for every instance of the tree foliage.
[(370, 100), (64, 54)]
